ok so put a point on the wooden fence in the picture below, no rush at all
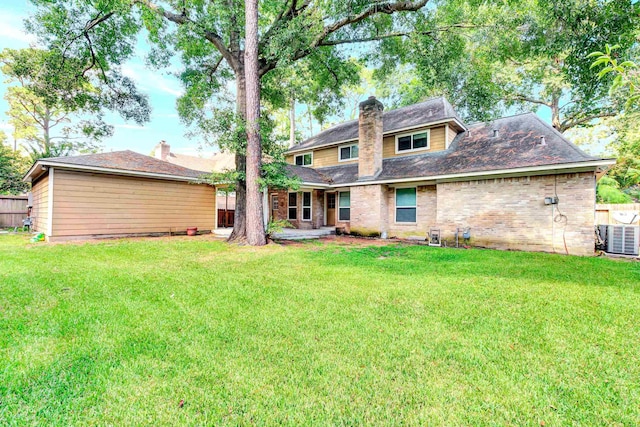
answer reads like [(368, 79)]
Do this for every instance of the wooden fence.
[(13, 209), (607, 213)]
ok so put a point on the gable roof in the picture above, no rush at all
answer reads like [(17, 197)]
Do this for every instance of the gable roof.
[(434, 110), (517, 147), (118, 162)]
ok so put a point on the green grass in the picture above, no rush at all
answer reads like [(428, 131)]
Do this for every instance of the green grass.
[(118, 333)]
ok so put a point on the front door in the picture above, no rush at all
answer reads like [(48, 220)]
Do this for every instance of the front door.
[(331, 209), (274, 207)]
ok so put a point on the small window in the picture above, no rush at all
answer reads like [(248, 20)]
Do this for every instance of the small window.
[(412, 142), (344, 206), (293, 206), (306, 206), (304, 159), (349, 152), (406, 205)]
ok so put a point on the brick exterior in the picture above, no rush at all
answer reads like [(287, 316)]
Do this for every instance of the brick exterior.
[(370, 138), (317, 209)]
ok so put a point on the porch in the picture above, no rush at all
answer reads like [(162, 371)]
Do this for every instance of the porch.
[(288, 233)]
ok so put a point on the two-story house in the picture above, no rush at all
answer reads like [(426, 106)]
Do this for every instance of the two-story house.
[(516, 182)]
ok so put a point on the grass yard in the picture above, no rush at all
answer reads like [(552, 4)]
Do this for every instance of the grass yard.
[(120, 332)]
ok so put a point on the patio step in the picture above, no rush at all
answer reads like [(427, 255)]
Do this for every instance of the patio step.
[(297, 234)]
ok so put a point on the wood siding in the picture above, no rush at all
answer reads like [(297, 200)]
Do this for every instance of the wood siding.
[(13, 209), (88, 204), (436, 142), (452, 134), (39, 212)]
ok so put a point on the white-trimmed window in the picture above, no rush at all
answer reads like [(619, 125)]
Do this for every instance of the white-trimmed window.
[(293, 206), (344, 206), (306, 206), (406, 204), (305, 159), (348, 152), (413, 141)]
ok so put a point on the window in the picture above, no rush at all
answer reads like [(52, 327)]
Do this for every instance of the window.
[(304, 159), (293, 206), (406, 205), (348, 152), (274, 202), (306, 206), (412, 142), (344, 206)]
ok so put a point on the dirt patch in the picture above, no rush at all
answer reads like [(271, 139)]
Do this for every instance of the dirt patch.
[(344, 241)]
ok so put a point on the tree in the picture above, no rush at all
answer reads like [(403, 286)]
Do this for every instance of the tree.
[(625, 72), (523, 54), (12, 168), (210, 38), (56, 106)]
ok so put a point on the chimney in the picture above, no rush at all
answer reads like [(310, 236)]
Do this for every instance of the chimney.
[(370, 138), (162, 151)]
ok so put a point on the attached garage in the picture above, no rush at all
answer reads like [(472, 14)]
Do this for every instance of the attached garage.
[(117, 194)]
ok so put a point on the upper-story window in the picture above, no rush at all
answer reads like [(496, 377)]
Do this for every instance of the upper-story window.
[(412, 141), (348, 152), (304, 159)]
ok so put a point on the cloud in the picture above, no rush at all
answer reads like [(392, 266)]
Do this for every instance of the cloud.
[(151, 80), (5, 126)]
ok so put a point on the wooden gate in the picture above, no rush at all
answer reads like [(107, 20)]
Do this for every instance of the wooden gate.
[(225, 218), (13, 209)]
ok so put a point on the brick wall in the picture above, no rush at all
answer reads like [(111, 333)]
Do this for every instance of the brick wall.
[(509, 213), (317, 208), (369, 210), (426, 213)]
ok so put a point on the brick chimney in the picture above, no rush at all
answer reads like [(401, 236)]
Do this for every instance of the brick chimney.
[(370, 138), (162, 151)]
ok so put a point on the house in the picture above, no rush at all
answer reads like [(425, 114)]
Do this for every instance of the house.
[(121, 193), (515, 183)]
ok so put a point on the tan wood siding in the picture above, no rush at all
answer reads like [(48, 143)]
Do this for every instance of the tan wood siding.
[(89, 204), (436, 142), (39, 212), (452, 134)]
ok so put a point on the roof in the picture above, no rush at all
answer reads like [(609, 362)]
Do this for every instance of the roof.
[(517, 146), (124, 161), (217, 163), (433, 110)]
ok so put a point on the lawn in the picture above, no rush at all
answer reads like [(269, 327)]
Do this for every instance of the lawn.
[(121, 332)]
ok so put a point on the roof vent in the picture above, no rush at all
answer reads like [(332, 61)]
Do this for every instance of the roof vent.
[(495, 133), (543, 142), (468, 132)]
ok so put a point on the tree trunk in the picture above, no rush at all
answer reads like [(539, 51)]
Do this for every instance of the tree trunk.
[(239, 233), (254, 219)]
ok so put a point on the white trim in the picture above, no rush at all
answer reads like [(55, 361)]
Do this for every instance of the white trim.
[(41, 163), (50, 204), (446, 137), (412, 134), (563, 167), (302, 206), (395, 207), (265, 208), (289, 206), (350, 151), (302, 155), (389, 132)]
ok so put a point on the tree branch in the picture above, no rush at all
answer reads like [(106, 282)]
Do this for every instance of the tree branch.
[(568, 124), (529, 99), (379, 37)]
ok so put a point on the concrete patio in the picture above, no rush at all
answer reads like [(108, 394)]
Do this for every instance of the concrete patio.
[(288, 233)]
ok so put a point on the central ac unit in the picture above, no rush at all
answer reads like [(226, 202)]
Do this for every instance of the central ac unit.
[(623, 239)]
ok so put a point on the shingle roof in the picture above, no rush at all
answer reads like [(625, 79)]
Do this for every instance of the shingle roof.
[(517, 145), (126, 161), (432, 110)]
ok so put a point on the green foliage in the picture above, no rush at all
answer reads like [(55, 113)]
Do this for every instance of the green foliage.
[(625, 73), (56, 106), (608, 191), (276, 226), (492, 57), (12, 168)]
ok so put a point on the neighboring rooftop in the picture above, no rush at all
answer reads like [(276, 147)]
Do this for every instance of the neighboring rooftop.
[(219, 162), (125, 161), (430, 111), (518, 144)]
